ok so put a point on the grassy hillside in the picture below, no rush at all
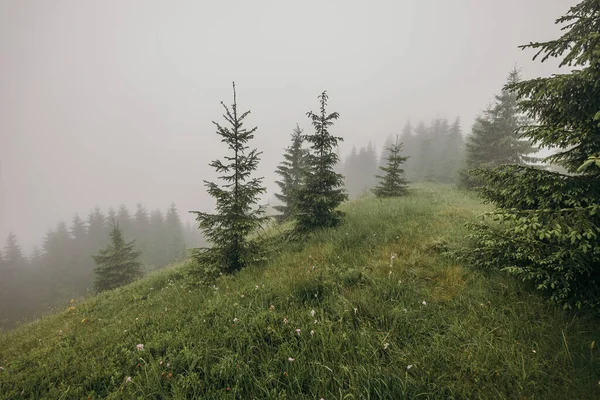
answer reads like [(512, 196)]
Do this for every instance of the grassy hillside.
[(369, 310)]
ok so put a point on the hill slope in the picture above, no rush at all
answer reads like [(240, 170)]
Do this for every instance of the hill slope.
[(371, 309)]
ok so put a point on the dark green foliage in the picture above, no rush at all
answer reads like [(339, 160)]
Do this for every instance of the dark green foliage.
[(292, 171), (549, 233), (237, 215), (323, 190), (118, 264), (494, 140), (393, 183)]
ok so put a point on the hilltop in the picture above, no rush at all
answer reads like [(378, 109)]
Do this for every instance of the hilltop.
[(371, 309)]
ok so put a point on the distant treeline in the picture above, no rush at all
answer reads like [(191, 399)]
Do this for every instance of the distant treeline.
[(63, 268), (435, 154)]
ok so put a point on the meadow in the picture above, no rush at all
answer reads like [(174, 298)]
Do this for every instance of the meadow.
[(373, 309)]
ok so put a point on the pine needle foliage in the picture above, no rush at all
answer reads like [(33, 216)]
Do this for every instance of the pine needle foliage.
[(393, 183), (292, 171), (549, 231), (237, 213), (494, 140), (117, 264), (323, 189)]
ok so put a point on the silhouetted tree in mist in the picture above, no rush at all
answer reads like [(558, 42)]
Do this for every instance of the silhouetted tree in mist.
[(118, 264), (292, 171), (494, 140), (359, 170)]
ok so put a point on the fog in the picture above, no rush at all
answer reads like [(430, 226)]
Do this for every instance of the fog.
[(111, 102)]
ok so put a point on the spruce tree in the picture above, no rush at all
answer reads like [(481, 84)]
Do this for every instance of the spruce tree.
[(323, 191), (156, 245), (125, 222), (494, 140), (393, 183), (118, 264), (424, 154), (96, 230), (549, 233), (237, 214), (174, 235), (13, 254), (409, 144), (292, 171)]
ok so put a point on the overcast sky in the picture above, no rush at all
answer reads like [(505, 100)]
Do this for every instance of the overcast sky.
[(109, 102)]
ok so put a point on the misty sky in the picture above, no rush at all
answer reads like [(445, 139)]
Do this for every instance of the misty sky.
[(109, 102)]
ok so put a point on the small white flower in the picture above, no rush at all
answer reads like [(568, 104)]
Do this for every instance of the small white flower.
[(128, 379), (386, 345), (316, 322), (291, 360), (312, 333), (140, 347), (256, 287), (166, 309), (285, 320), (60, 332), (355, 310), (424, 302), (168, 365), (298, 331), (235, 320), (312, 313), (1, 368), (409, 366), (272, 308)]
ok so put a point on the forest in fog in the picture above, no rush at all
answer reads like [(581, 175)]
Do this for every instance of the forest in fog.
[(61, 268)]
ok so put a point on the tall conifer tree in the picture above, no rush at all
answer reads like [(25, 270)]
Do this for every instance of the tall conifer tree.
[(323, 190), (237, 213)]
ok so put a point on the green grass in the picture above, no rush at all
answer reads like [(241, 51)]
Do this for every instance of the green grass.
[(419, 325)]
